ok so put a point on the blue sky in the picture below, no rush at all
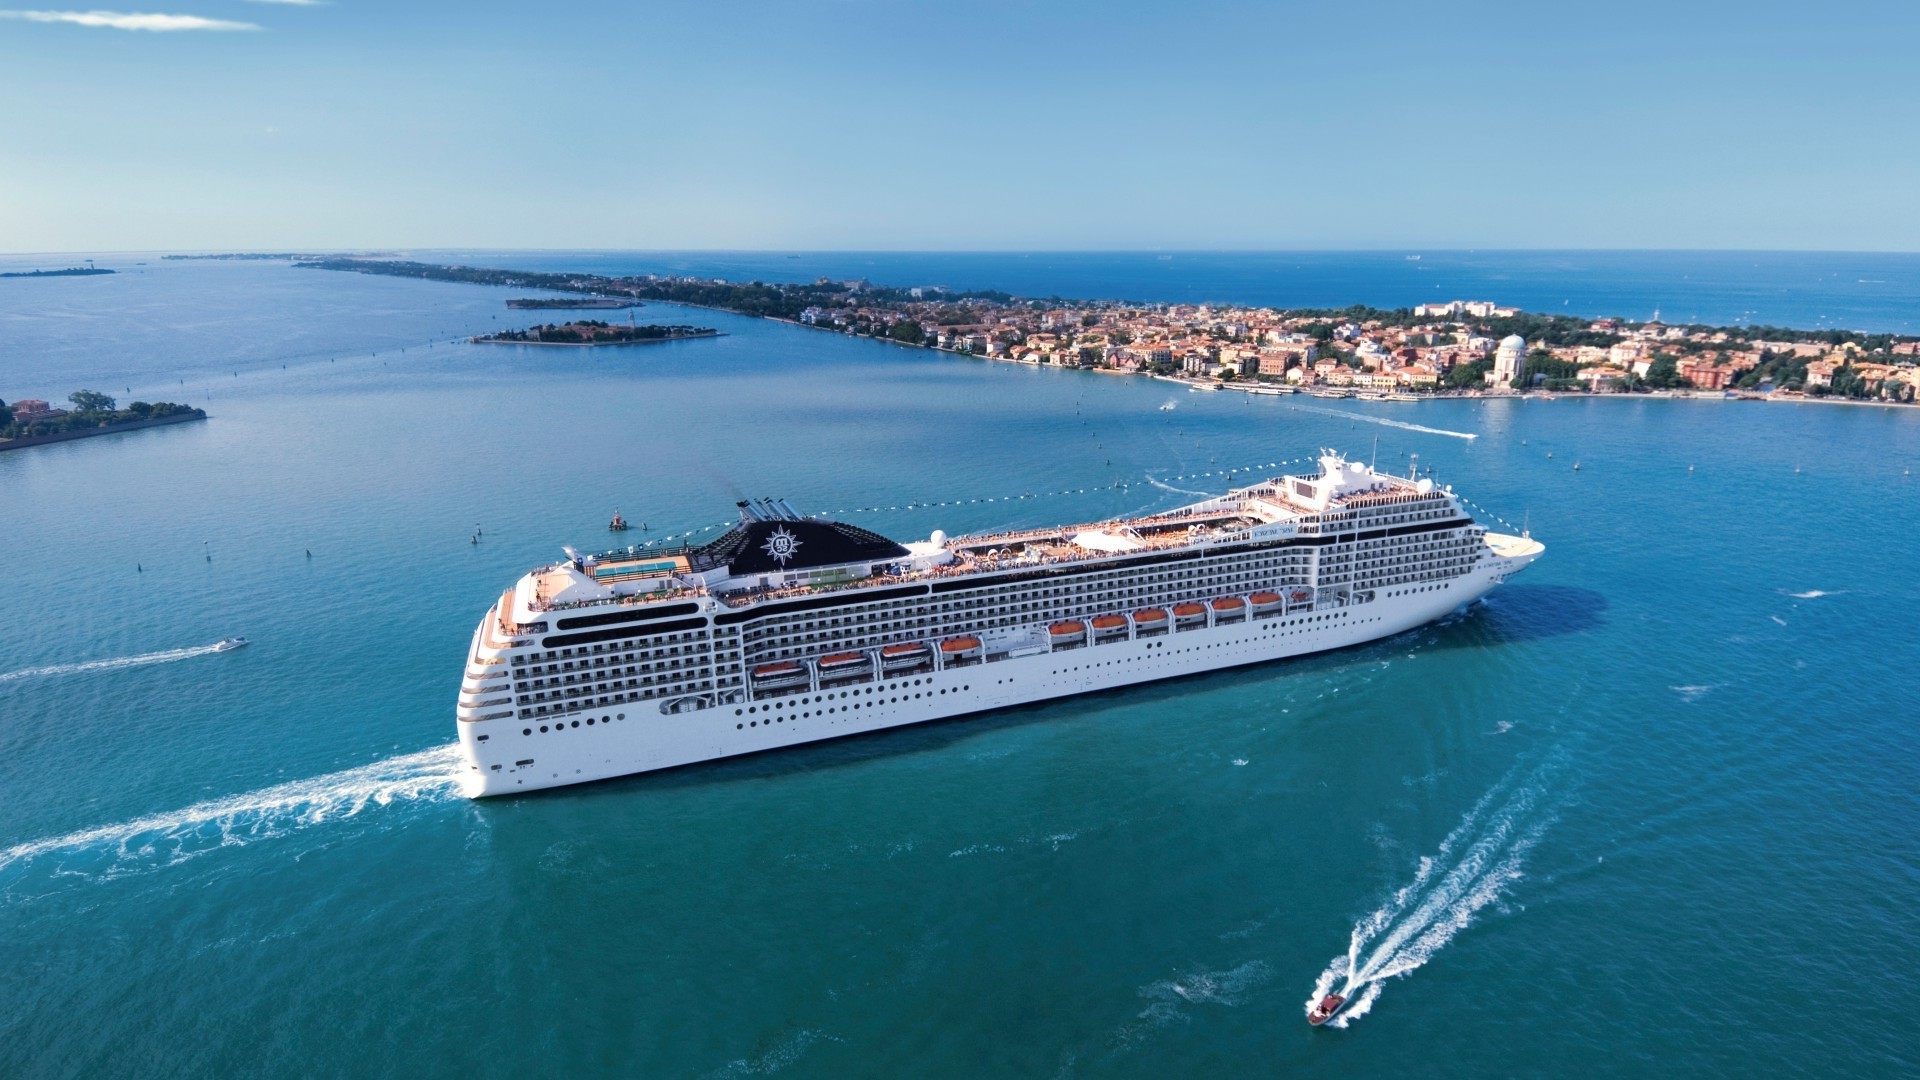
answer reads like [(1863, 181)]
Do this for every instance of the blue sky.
[(860, 124)]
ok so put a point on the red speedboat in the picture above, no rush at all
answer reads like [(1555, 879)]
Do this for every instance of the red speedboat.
[(1324, 1011)]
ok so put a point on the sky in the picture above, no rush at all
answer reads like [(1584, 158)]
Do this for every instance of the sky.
[(977, 125)]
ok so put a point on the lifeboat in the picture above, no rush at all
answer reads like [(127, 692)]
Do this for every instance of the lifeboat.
[(1151, 620), (1188, 616), (841, 665), (1107, 626), (781, 674), (961, 650), (1067, 634), (1267, 603), (1324, 1011), (1301, 596), (1228, 609), (905, 656)]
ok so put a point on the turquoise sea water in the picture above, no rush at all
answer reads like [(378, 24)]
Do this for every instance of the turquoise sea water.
[(1652, 808)]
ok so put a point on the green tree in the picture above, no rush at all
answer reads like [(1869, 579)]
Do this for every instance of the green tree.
[(908, 331), (1663, 373), (90, 401), (1469, 374)]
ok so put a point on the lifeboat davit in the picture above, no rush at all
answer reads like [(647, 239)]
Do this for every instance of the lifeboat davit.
[(1267, 603), (1324, 1011), (1109, 625), (1228, 608), (1188, 615)]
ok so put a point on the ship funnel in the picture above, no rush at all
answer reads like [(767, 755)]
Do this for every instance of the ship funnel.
[(788, 510), (747, 512)]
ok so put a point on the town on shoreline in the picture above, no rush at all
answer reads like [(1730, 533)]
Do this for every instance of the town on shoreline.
[(1463, 347)]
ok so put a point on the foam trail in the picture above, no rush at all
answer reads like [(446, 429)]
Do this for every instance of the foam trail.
[(1383, 420), (1175, 490), (173, 837), (116, 663), (1478, 860)]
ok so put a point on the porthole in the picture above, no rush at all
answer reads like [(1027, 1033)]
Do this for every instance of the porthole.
[(739, 727), (527, 731), (543, 729), (576, 723)]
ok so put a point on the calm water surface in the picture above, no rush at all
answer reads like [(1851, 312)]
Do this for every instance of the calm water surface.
[(1669, 767)]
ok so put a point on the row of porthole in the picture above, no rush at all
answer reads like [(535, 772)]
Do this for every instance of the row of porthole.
[(562, 726), (837, 708)]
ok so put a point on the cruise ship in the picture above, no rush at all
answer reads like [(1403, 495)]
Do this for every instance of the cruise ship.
[(789, 629)]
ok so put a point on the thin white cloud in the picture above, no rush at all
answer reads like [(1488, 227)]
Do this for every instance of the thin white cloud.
[(117, 20), (291, 3)]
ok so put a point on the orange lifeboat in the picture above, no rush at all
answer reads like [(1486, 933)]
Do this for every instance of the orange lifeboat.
[(1071, 628), (1148, 617), (905, 656), (1228, 609), (957, 645), (1189, 615), (1301, 596), (779, 674), (1104, 623), (1267, 603), (843, 665)]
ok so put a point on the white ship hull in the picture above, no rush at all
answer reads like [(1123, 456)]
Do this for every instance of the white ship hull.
[(507, 755)]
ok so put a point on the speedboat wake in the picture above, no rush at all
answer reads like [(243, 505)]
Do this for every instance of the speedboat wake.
[(1474, 866)]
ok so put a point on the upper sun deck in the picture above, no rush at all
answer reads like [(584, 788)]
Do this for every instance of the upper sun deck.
[(740, 571)]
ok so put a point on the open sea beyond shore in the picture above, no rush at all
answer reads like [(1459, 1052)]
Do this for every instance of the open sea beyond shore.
[(1654, 808)]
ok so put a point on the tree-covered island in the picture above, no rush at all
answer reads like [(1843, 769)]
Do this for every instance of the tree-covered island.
[(595, 332), (31, 421)]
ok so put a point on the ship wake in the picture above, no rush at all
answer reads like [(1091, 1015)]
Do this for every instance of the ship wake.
[(114, 664), (1474, 866), (167, 839), (1402, 424)]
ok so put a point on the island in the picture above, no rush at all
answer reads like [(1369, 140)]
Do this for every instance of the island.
[(32, 422), (576, 303), (71, 271), (594, 332), (1461, 347)]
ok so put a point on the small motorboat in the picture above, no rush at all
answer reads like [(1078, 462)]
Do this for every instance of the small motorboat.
[(230, 644), (1324, 1011)]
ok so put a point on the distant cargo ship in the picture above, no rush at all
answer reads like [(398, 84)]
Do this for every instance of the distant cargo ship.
[(791, 629)]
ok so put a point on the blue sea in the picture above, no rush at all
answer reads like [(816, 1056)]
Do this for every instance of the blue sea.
[(1653, 808)]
